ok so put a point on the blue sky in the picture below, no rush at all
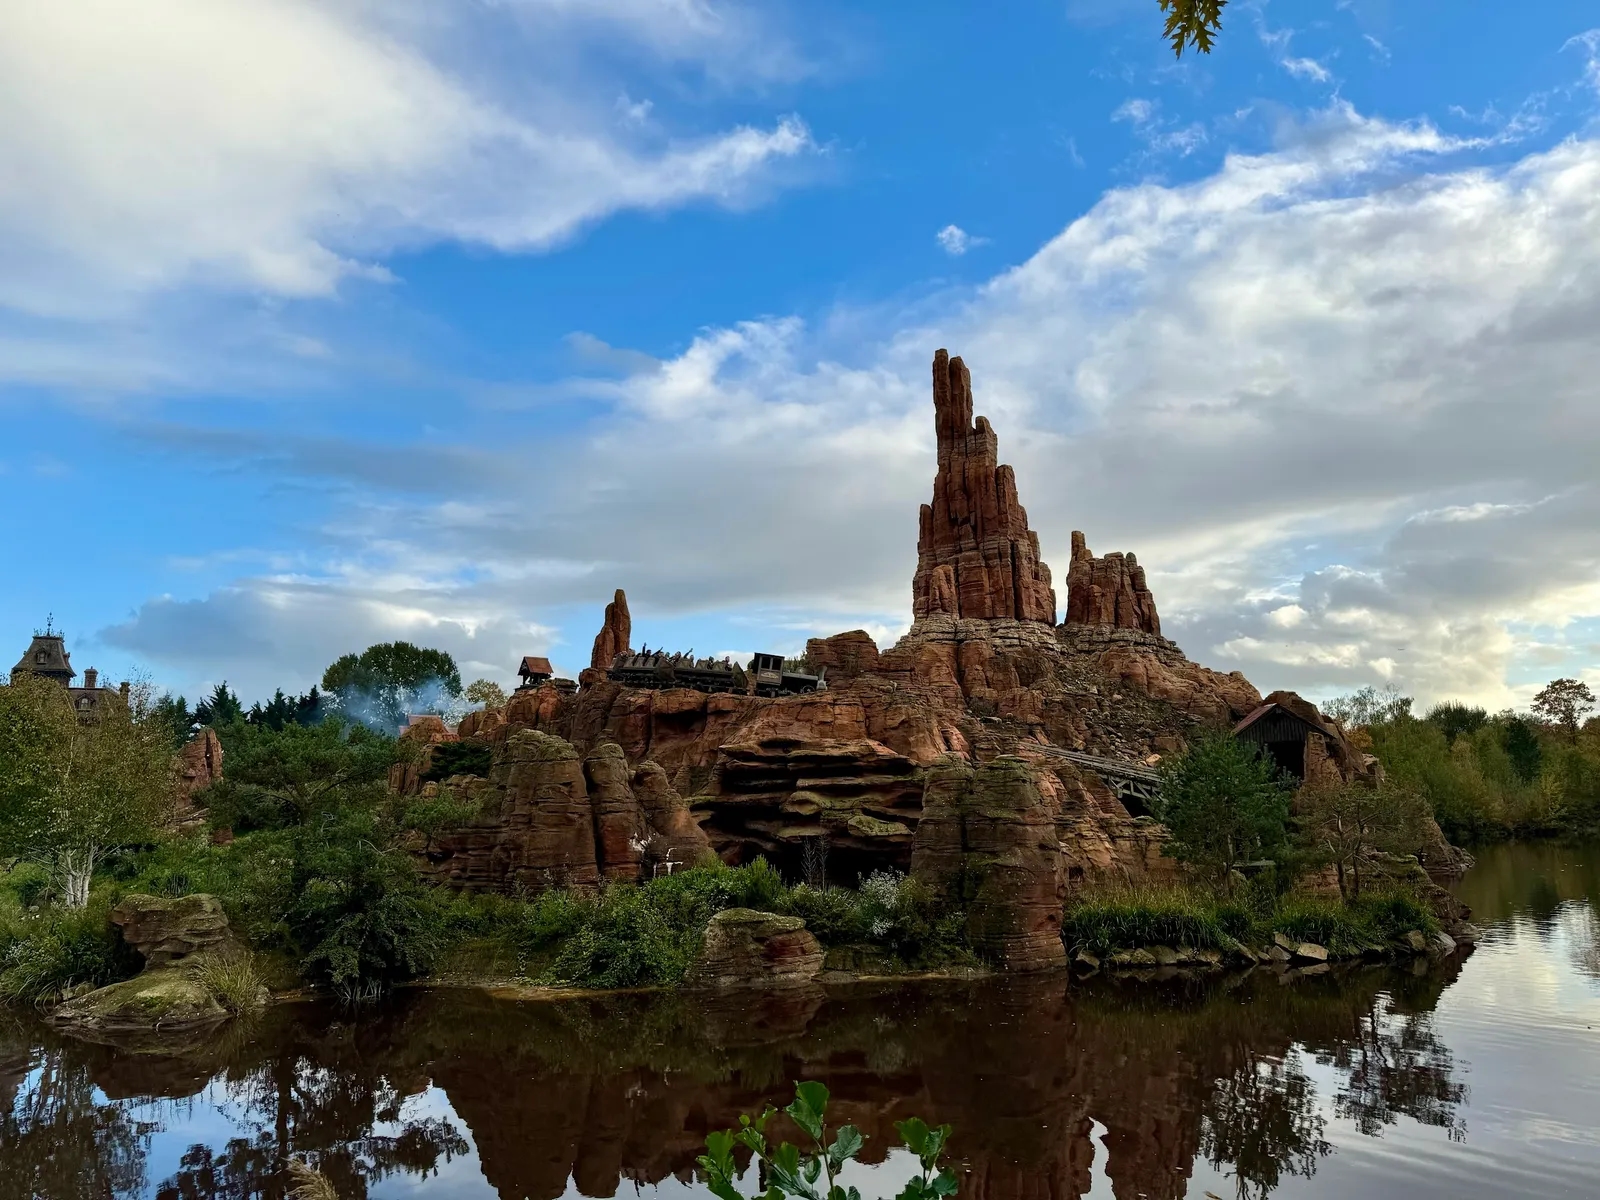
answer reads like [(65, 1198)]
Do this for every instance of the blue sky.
[(323, 324)]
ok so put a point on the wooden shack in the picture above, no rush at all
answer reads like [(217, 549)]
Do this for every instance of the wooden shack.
[(534, 671), (1283, 734)]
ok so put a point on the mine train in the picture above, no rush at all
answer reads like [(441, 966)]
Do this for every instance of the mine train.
[(765, 674)]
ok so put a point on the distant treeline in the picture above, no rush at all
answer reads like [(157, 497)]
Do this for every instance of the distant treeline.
[(1489, 775)]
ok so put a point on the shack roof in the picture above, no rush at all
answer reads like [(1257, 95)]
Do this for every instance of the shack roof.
[(533, 665), (1272, 707)]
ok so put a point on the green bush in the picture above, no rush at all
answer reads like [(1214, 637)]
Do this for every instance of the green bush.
[(28, 883), (44, 956), (359, 916)]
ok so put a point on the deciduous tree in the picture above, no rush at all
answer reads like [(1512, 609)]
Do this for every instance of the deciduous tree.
[(1223, 804), (1347, 823), (77, 786), (1564, 702)]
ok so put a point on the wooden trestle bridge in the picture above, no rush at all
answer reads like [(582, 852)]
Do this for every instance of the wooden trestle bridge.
[(1129, 780)]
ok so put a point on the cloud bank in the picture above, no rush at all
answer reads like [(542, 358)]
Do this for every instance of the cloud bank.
[(1340, 397), (278, 147)]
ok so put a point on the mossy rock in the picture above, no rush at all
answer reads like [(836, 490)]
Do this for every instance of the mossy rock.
[(164, 999)]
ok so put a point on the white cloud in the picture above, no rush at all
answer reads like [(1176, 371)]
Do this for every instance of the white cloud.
[(1339, 397), (1306, 68), (279, 146), (956, 241)]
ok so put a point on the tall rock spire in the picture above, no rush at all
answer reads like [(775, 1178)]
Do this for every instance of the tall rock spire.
[(614, 635), (976, 556), (1108, 591)]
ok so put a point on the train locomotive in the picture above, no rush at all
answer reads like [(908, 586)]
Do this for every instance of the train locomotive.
[(763, 675)]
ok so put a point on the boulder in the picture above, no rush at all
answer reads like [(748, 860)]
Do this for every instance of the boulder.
[(1310, 952), (1415, 941), (167, 930), (166, 999), (744, 948), (976, 556)]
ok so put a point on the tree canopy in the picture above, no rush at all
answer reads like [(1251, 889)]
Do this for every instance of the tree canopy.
[(1223, 804), (384, 682), (74, 787), (1564, 702)]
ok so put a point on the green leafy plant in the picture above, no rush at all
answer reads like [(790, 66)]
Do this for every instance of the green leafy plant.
[(1224, 804), (813, 1174)]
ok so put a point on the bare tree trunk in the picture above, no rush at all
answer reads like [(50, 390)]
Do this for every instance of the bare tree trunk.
[(77, 868)]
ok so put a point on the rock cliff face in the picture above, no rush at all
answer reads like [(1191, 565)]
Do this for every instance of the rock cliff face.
[(988, 841), (1108, 591), (930, 755), (550, 817), (976, 556)]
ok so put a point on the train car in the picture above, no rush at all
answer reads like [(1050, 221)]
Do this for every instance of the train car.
[(773, 676), (770, 674), (658, 670)]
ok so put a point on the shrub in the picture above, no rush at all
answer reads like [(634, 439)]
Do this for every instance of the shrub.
[(359, 916), (45, 956)]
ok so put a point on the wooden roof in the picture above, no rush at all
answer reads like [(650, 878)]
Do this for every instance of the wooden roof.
[(533, 665), (1272, 707)]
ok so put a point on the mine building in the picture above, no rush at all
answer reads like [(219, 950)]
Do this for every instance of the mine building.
[(47, 657), (1283, 736), (534, 671)]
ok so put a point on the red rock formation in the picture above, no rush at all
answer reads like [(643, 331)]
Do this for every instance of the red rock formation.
[(987, 839), (199, 763), (844, 655), (976, 556), (615, 635), (549, 817), (620, 830), (1108, 591)]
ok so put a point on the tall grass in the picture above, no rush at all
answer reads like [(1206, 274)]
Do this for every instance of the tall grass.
[(1125, 917)]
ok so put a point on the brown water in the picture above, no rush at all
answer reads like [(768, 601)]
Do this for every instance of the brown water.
[(1476, 1077)]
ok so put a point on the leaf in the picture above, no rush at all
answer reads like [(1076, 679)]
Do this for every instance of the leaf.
[(945, 1183), (913, 1132), (847, 1144), (812, 1168), (784, 1166), (810, 1103)]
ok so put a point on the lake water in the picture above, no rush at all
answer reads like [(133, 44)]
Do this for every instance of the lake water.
[(1479, 1076)]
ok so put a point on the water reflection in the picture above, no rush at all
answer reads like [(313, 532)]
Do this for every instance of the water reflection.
[(1356, 1080), (607, 1092)]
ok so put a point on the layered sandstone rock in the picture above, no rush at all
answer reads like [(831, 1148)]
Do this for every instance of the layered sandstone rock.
[(615, 636), (164, 931), (856, 802), (976, 556), (744, 948), (844, 655), (550, 817), (199, 763), (987, 840), (1108, 591)]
